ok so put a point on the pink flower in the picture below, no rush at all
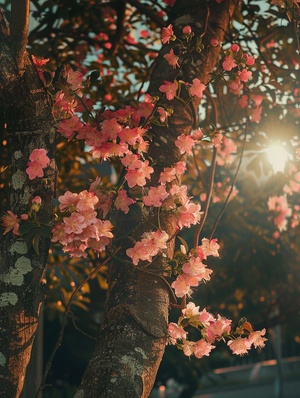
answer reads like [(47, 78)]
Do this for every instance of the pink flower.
[(176, 332), (36, 203), (104, 228), (169, 89), (191, 311), (144, 33), (68, 127), (235, 47), (217, 140), (197, 134), (182, 284), (256, 114), (172, 59), (40, 156), (249, 60), (239, 346), (202, 348), (68, 201), (195, 267), (258, 99), (197, 88), (138, 176), (189, 214), (185, 143), (36, 199), (87, 201), (148, 247), (75, 223), (38, 62), (131, 135), (279, 205), (187, 30), (180, 167), (167, 34), (214, 42), (167, 175), (188, 347), (123, 202), (10, 222), (64, 105), (206, 318), (38, 161), (155, 196), (229, 63), (111, 128), (210, 247), (244, 75), (236, 86), (217, 328), (74, 79), (256, 338), (243, 101)]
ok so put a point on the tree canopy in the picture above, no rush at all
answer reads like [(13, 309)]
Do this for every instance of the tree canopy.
[(146, 124)]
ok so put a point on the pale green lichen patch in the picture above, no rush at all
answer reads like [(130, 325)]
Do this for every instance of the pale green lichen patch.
[(2, 359), (8, 298), (15, 276), (132, 365), (18, 155), (79, 394), (26, 195), (18, 179), (23, 264), (18, 247), (140, 351)]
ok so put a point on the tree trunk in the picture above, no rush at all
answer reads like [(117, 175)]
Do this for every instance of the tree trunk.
[(27, 112), (133, 334)]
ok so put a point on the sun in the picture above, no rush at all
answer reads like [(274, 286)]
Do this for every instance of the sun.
[(277, 156)]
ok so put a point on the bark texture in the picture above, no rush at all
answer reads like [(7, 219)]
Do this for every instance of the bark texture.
[(133, 334), (27, 111)]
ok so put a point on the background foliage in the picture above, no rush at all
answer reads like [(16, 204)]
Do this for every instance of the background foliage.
[(114, 44)]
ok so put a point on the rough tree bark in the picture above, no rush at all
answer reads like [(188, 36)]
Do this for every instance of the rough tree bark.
[(27, 113), (133, 334)]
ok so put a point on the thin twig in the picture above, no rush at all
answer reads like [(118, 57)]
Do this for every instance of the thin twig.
[(63, 326), (209, 195), (212, 176), (232, 185), (148, 11)]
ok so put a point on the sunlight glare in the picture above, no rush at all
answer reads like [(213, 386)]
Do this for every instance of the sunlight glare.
[(277, 156)]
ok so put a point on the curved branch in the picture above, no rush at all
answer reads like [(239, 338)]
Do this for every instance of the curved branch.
[(232, 186), (19, 30)]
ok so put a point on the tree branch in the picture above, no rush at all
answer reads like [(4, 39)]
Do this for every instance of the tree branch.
[(19, 30)]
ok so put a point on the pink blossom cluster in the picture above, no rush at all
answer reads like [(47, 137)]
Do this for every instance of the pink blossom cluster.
[(226, 151), (81, 228), (212, 330), (195, 88), (151, 244), (279, 205), (238, 63), (293, 185), (38, 161), (194, 271)]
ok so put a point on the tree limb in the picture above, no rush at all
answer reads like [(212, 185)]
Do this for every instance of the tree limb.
[(19, 30)]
